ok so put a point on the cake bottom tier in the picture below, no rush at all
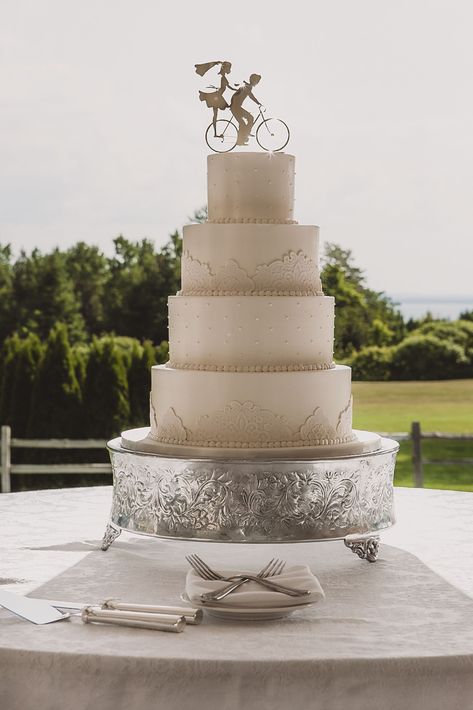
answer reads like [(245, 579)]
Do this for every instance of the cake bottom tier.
[(249, 411)]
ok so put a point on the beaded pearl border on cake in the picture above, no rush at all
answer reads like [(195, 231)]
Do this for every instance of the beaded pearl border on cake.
[(254, 444), (251, 220), (251, 368), (194, 292)]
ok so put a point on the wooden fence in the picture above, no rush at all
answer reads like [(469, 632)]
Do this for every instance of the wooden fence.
[(8, 469), (416, 436)]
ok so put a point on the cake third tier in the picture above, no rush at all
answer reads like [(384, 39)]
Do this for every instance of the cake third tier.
[(251, 333)]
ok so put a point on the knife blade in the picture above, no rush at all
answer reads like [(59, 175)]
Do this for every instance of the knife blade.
[(36, 610)]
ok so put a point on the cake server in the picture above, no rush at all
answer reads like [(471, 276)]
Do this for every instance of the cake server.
[(40, 611), (36, 610), (192, 616)]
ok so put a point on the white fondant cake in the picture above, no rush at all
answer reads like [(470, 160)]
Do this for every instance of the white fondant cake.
[(251, 187), (251, 409), (250, 333), (250, 259)]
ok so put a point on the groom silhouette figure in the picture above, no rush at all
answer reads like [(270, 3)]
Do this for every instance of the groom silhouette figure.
[(244, 118)]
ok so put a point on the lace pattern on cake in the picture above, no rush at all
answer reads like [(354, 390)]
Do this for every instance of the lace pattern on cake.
[(171, 427), (293, 269), (345, 417), (232, 277), (247, 425), (152, 412), (293, 274), (244, 422)]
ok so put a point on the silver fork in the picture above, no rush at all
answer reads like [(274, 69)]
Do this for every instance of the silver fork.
[(206, 572), (273, 568)]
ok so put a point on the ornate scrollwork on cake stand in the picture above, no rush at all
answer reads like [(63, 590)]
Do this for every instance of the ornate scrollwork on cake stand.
[(254, 501)]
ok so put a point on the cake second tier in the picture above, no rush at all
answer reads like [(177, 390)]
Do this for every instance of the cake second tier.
[(251, 333)]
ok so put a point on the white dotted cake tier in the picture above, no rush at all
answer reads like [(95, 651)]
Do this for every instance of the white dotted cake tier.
[(225, 259), (251, 410), (251, 187), (251, 333)]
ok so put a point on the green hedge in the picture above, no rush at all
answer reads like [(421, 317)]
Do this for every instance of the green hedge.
[(435, 351), (372, 363), (56, 390), (427, 357)]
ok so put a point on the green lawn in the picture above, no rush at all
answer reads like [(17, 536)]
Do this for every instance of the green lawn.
[(445, 406)]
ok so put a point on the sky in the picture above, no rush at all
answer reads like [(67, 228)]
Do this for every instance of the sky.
[(101, 129)]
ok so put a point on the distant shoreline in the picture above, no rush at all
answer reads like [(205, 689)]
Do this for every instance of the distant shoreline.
[(417, 306)]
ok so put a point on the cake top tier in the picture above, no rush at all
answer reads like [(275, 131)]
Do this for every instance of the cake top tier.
[(251, 187)]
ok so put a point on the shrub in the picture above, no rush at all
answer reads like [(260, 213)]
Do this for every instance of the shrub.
[(143, 357), (427, 357), (445, 330), (56, 399), (106, 407), (27, 361), (162, 352), (372, 363)]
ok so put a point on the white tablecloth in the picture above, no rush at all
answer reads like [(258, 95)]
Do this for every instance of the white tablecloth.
[(397, 634)]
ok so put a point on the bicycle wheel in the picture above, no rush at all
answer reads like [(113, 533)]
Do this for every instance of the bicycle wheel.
[(272, 134), (226, 137)]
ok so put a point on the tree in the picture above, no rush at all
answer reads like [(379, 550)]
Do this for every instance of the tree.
[(6, 292), (141, 280), (364, 317), (88, 270), (9, 353), (56, 400), (162, 352), (199, 216), (342, 259), (448, 330), (27, 360), (43, 295), (139, 382), (106, 405)]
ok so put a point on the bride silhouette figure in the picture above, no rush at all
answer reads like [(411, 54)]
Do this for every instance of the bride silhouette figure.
[(224, 134), (215, 99)]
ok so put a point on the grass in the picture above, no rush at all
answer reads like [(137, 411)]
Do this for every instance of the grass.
[(445, 406), (391, 406)]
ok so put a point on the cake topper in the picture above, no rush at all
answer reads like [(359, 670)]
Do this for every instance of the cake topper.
[(223, 134)]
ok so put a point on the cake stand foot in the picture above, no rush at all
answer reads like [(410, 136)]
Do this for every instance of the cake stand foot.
[(111, 534), (365, 546)]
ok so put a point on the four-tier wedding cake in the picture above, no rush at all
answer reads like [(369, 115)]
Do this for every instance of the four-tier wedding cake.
[(251, 371)]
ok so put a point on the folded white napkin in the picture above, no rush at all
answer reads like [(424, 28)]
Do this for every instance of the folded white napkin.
[(252, 594)]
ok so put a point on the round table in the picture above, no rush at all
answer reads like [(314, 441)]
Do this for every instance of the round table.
[(396, 634)]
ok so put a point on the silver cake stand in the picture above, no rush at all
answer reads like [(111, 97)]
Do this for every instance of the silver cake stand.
[(254, 501)]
